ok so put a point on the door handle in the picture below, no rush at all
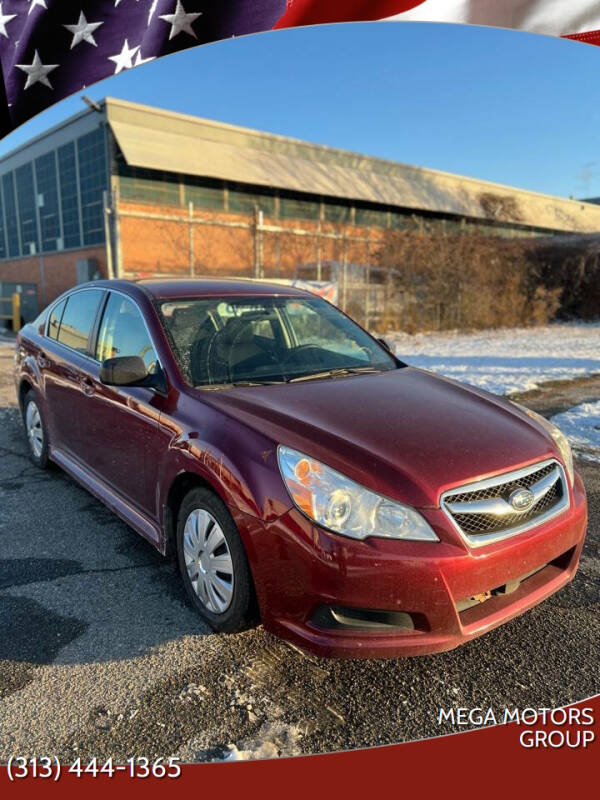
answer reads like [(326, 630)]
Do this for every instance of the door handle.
[(87, 387), (43, 362)]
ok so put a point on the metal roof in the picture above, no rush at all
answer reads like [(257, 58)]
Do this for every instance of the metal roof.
[(163, 140)]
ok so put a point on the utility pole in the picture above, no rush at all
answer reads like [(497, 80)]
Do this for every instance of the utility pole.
[(107, 235), (345, 273), (319, 253), (191, 216), (40, 206), (258, 245)]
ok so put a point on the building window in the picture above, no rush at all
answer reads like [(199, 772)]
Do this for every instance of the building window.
[(10, 211), (298, 207), (91, 152), (434, 225), (148, 186), (370, 217), (67, 170), (45, 174), (3, 248), (205, 193), (26, 199), (401, 220), (453, 226), (337, 212), (244, 199)]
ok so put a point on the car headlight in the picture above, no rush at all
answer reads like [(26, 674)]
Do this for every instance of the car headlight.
[(560, 440), (339, 504)]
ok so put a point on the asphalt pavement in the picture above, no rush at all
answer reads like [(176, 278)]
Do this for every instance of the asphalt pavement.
[(101, 654)]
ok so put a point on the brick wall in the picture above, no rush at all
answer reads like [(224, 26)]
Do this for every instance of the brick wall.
[(152, 246), (162, 246), (59, 270)]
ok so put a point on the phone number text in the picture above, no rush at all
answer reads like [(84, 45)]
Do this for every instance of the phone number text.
[(50, 768)]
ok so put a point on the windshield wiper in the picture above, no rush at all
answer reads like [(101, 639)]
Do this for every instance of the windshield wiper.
[(339, 372), (258, 383), (239, 384)]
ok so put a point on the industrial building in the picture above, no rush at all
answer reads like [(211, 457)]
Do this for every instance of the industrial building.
[(124, 189)]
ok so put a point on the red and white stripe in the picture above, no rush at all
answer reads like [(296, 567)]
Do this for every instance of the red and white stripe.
[(578, 19)]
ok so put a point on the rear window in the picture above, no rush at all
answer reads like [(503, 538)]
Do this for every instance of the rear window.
[(78, 318), (55, 318)]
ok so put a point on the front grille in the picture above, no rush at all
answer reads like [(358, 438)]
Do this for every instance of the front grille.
[(482, 511)]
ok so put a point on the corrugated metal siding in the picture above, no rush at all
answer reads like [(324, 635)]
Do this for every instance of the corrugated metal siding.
[(160, 140)]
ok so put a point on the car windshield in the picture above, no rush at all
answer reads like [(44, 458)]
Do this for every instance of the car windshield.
[(248, 340)]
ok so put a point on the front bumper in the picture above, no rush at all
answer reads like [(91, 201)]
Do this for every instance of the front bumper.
[(299, 568)]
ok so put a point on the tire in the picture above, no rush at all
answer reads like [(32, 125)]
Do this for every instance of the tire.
[(223, 596), (35, 430)]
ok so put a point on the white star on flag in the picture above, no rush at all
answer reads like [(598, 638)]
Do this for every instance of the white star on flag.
[(83, 31), (4, 19), (139, 60), (37, 72), (180, 21), (152, 10), (124, 59), (34, 3)]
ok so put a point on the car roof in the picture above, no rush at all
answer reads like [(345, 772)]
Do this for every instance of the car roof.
[(174, 288)]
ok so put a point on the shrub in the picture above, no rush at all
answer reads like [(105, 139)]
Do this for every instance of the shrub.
[(464, 281)]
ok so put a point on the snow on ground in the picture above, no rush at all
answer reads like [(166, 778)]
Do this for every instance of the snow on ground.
[(507, 360), (274, 739), (581, 425)]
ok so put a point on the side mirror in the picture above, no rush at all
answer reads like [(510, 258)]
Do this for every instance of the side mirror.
[(386, 344), (125, 371)]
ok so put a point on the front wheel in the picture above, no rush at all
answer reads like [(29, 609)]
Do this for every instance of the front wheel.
[(213, 563), (35, 428)]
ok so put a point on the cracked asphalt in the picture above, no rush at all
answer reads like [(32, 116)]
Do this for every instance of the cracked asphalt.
[(101, 655)]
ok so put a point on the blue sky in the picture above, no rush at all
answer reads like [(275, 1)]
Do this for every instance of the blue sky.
[(510, 107)]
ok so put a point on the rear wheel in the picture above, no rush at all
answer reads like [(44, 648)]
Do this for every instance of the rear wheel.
[(35, 428), (213, 563)]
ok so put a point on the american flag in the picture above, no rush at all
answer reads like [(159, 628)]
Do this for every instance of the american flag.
[(50, 49), (577, 18)]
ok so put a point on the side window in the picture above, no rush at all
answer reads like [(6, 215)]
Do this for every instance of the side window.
[(78, 318), (123, 333), (55, 318)]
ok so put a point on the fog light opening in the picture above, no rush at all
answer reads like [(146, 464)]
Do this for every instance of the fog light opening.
[(366, 619)]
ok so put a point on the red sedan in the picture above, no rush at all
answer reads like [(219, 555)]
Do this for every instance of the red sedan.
[(302, 475)]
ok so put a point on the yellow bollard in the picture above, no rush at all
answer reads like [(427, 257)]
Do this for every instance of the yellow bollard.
[(16, 311)]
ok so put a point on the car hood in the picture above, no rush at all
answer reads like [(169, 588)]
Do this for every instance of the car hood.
[(406, 433)]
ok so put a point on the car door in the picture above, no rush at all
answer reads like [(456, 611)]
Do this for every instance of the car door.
[(62, 360), (120, 425)]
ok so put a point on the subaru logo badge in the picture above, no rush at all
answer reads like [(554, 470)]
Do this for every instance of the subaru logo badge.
[(521, 499)]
